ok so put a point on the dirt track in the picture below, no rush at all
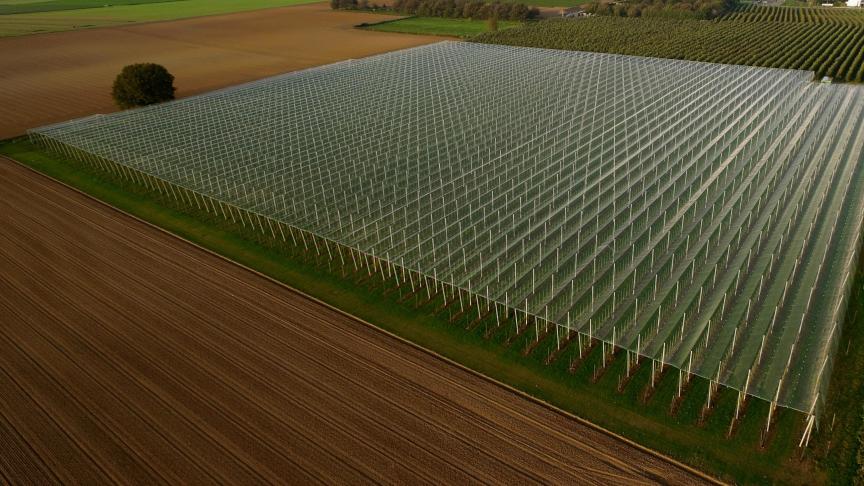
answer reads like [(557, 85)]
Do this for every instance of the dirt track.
[(128, 355), (55, 77)]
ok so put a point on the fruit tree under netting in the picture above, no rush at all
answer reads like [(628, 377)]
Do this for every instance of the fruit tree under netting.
[(707, 216)]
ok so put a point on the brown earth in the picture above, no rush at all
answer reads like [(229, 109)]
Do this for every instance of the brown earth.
[(128, 355), (50, 78)]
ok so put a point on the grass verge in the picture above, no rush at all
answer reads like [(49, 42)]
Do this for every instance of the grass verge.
[(437, 26), (839, 445), (501, 354)]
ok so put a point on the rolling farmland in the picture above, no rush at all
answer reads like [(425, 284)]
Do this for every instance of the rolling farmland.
[(828, 42), (8, 7), (144, 359), (683, 216), (38, 17), (69, 74)]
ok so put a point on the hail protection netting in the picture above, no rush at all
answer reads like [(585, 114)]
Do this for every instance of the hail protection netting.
[(706, 216)]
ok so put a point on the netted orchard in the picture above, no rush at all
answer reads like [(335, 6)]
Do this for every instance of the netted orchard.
[(699, 217)]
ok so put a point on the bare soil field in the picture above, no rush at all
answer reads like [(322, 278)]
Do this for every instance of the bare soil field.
[(128, 355), (54, 77)]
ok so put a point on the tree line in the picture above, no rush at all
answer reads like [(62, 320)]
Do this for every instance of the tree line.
[(454, 9)]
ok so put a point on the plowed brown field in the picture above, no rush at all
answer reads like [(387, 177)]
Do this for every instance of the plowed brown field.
[(128, 355), (54, 77)]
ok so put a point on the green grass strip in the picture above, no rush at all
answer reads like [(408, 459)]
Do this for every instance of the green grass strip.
[(123, 14), (437, 26), (10, 8)]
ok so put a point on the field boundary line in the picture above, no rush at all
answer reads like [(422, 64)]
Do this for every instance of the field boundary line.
[(387, 21), (134, 23), (387, 333)]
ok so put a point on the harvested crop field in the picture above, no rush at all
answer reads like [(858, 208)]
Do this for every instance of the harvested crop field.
[(130, 355), (55, 77)]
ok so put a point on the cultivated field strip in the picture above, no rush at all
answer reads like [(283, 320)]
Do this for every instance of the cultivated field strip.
[(704, 216), (834, 16), (827, 41), (65, 75), (130, 356)]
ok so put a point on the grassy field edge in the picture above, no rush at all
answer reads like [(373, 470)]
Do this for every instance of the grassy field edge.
[(463, 28), (735, 459)]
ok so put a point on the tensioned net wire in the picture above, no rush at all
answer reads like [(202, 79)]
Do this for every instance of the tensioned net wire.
[(705, 215)]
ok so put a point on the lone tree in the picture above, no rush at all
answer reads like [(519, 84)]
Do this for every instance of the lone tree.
[(142, 84)]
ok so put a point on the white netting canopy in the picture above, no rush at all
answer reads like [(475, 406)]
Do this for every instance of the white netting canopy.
[(706, 216)]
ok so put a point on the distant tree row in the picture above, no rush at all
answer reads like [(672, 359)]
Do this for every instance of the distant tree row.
[(700, 9), (454, 9), (355, 5), (466, 9)]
